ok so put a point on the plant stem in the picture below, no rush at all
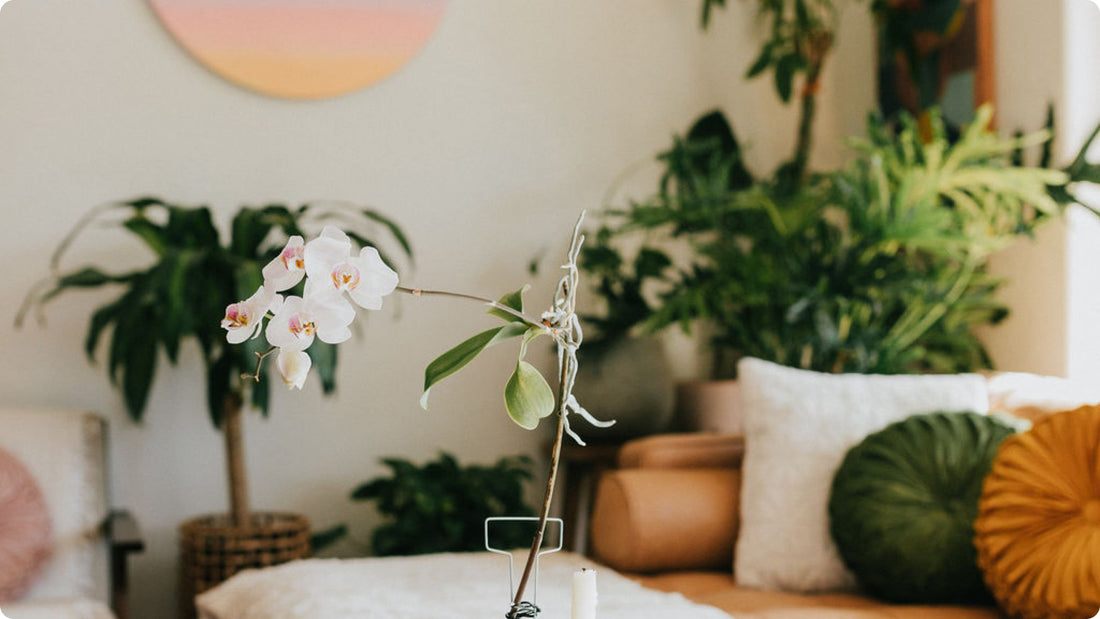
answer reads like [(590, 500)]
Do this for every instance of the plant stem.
[(417, 292), (806, 119), (234, 450), (555, 455)]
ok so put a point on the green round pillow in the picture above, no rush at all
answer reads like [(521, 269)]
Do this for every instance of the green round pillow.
[(903, 505)]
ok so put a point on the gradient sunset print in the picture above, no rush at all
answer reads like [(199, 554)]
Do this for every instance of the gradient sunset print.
[(302, 49)]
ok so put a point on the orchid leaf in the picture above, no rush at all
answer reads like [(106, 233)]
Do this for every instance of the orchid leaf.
[(528, 396), (513, 300), (460, 356)]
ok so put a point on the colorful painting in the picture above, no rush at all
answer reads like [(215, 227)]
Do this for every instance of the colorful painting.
[(302, 49)]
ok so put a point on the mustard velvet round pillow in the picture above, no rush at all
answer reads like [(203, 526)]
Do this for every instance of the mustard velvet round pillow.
[(903, 503), (1038, 525)]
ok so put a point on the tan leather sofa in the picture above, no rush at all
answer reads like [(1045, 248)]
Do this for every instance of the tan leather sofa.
[(669, 516)]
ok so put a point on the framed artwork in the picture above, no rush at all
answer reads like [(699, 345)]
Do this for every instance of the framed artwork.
[(301, 49), (935, 53)]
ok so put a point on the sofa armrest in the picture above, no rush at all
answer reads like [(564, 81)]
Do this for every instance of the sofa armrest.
[(692, 450), (124, 538), (648, 520)]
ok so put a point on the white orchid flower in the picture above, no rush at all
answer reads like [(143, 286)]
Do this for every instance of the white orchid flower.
[(286, 270), (299, 320), (244, 318), (294, 367), (365, 277)]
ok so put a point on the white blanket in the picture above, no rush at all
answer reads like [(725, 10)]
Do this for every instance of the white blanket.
[(468, 585)]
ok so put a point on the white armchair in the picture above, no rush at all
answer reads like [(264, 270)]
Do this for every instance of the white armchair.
[(85, 576)]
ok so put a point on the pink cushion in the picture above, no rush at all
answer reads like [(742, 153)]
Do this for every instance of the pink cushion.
[(26, 535)]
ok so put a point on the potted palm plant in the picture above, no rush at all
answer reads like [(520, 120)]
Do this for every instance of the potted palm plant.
[(180, 295)]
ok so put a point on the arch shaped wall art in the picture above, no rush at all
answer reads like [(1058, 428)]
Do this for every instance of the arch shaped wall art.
[(301, 49)]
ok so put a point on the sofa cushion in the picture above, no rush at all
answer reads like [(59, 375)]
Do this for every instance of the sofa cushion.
[(1032, 396), (903, 504), (26, 537), (648, 520), (1038, 526), (695, 450), (798, 426)]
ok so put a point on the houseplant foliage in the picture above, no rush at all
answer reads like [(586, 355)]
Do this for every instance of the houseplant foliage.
[(441, 506), (178, 296), (880, 266)]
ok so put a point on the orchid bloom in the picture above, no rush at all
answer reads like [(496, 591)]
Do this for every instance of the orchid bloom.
[(286, 270), (366, 278), (299, 320), (294, 367), (244, 318)]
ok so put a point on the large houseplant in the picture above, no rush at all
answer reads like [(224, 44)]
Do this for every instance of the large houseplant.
[(879, 266), (179, 294)]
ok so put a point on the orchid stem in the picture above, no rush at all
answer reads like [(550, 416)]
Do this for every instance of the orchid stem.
[(555, 455), (255, 376), (417, 292)]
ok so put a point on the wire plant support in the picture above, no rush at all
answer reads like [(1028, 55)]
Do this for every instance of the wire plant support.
[(523, 609)]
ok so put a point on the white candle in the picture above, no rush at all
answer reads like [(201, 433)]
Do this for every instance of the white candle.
[(584, 594)]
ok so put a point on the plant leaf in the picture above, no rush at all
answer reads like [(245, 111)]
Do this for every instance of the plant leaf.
[(528, 396), (784, 76), (138, 371), (324, 360), (513, 300), (395, 230), (460, 356)]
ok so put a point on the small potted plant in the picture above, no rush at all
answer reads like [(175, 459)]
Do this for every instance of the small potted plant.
[(179, 295), (441, 506)]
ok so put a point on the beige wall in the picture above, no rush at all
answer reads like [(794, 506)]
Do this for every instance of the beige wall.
[(1048, 52)]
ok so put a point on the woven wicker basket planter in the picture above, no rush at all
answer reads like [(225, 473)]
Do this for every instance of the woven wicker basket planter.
[(212, 549)]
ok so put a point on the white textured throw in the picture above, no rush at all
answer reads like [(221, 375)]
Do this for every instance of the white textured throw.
[(464, 586), (798, 427)]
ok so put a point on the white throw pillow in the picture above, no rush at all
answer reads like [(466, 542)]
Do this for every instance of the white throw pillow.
[(1033, 396), (798, 427)]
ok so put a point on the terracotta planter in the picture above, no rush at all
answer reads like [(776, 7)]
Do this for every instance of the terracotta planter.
[(709, 406)]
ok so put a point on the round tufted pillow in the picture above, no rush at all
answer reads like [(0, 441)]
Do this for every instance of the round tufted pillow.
[(26, 536), (903, 504), (1038, 527)]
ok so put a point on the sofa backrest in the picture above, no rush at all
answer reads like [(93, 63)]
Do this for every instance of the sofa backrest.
[(64, 451)]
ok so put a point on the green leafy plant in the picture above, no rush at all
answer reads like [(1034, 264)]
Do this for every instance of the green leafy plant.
[(878, 267), (441, 506), (179, 295)]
